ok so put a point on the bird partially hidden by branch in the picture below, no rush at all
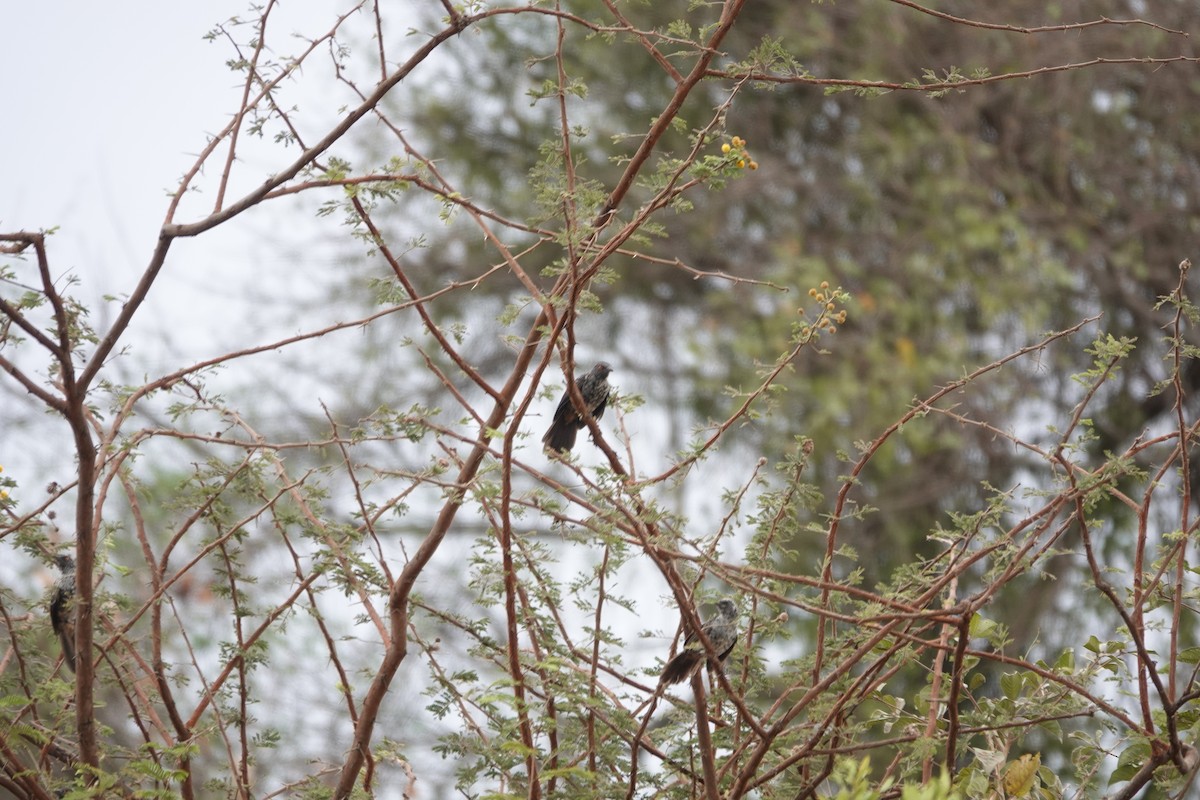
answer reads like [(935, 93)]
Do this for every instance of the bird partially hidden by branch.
[(62, 608), (720, 630), (594, 389)]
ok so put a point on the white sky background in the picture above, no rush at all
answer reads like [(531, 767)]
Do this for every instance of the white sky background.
[(105, 106), (110, 108)]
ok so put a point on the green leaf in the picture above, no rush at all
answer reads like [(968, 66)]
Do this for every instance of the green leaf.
[(1190, 655)]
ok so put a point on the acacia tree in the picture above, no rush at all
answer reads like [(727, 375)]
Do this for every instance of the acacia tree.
[(207, 597)]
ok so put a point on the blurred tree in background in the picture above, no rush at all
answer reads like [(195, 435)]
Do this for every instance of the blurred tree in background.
[(897, 302)]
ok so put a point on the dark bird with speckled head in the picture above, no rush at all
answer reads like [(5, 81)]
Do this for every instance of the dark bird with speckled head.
[(594, 389), (62, 608), (721, 631)]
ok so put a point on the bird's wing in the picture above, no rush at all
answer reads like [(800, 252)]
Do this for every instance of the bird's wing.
[(598, 411), (724, 653), (58, 608), (565, 411)]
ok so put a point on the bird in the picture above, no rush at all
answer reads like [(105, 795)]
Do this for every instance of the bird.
[(62, 608), (594, 388), (721, 631)]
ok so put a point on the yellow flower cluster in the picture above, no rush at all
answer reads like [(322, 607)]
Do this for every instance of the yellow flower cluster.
[(737, 147), (830, 315)]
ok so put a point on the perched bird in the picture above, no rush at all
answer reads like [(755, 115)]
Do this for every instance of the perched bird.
[(721, 630), (594, 388), (62, 608)]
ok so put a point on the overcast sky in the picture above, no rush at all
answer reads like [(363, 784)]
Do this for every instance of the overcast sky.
[(104, 104)]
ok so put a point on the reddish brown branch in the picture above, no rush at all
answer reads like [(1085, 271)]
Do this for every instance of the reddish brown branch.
[(704, 743), (1066, 26), (942, 86)]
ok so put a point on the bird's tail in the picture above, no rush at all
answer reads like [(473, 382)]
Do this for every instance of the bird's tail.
[(66, 637), (560, 437), (682, 666)]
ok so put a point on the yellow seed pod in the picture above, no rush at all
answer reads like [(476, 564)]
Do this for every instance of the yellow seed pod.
[(725, 148), (824, 284)]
